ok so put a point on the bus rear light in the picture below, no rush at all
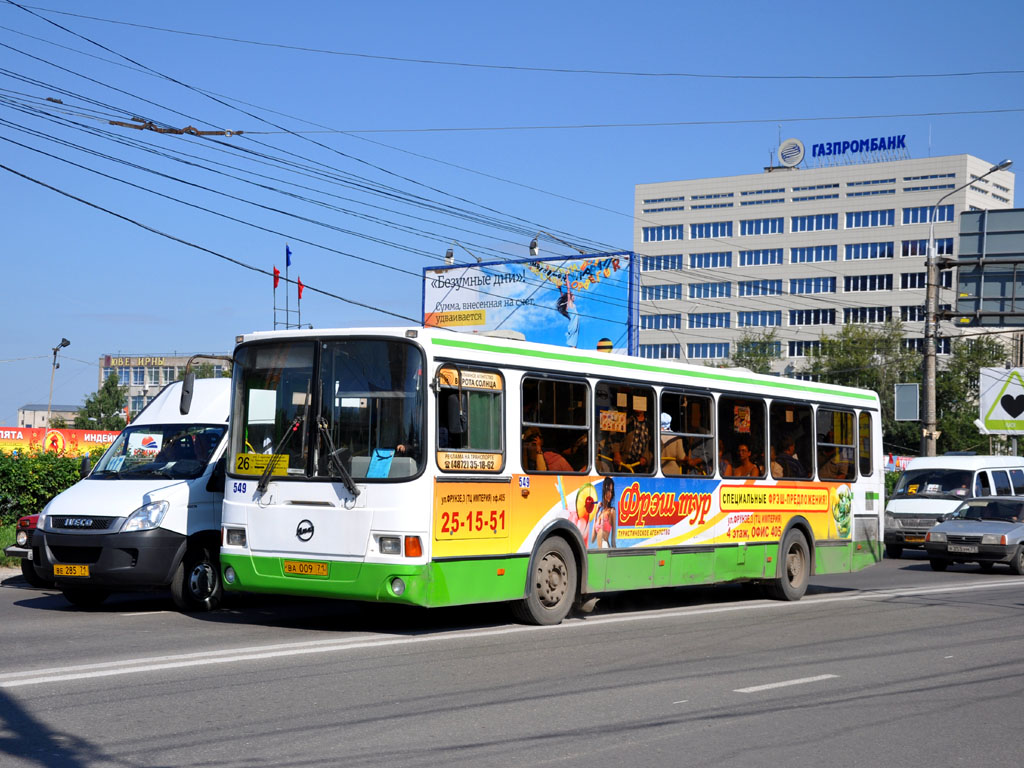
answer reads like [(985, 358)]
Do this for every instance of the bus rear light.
[(390, 545), (413, 548), (235, 537)]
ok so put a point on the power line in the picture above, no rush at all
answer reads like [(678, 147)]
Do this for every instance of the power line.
[(521, 68)]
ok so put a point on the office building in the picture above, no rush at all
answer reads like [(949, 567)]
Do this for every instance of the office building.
[(145, 375)]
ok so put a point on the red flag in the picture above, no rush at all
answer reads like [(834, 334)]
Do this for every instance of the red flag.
[(277, 277), (301, 286)]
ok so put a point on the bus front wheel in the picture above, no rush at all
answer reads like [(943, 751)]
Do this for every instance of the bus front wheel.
[(551, 585), (794, 568)]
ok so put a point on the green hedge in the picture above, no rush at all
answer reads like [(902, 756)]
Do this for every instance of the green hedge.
[(29, 481)]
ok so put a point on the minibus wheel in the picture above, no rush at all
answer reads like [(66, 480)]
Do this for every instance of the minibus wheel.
[(196, 586), (551, 584)]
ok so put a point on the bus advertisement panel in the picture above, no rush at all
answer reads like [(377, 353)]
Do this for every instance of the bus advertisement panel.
[(575, 302)]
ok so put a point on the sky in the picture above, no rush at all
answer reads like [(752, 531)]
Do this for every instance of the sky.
[(376, 136)]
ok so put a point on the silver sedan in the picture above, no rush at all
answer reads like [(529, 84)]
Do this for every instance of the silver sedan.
[(984, 530)]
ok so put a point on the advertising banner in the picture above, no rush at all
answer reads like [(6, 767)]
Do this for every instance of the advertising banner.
[(64, 442), (1001, 400), (574, 302)]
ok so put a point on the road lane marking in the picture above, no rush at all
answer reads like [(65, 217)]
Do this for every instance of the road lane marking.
[(281, 650), (784, 683)]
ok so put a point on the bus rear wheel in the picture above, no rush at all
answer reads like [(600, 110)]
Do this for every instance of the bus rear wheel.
[(551, 584), (794, 568)]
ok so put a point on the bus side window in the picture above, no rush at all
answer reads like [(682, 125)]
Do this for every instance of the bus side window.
[(627, 425), (687, 440), (741, 433), (864, 445), (836, 449), (469, 420), (790, 440), (555, 426)]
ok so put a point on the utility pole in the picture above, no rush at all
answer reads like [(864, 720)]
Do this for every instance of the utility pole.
[(930, 433)]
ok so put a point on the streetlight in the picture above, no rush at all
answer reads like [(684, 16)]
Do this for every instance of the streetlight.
[(449, 257), (534, 249), (930, 434), (49, 403)]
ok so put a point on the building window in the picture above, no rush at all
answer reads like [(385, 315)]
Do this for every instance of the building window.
[(666, 209), (713, 196), (138, 376), (920, 214), (813, 253), (871, 192), (803, 285), (930, 176), (910, 280), (863, 219), (660, 292), (929, 187), (869, 183), (943, 247), (757, 347), (942, 345), (775, 226), (814, 222), (812, 317), (760, 257), (710, 205), (861, 283), (760, 287), (755, 192), (707, 351), (660, 322), (804, 198), (660, 351), (708, 320), (710, 260), (803, 348), (658, 263), (813, 187), (170, 374), (710, 290), (154, 375), (856, 251), (912, 314), (763, 319), (663, 200), (763, 201), (106, 372), (138, 403), (711, 229), (659, 234), (858, 315)]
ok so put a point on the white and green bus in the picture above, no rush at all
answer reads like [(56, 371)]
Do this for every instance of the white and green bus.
[(431, 468)]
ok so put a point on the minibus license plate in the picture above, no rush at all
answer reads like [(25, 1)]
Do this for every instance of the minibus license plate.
[(304, 568), (71, 570), (965, 549)]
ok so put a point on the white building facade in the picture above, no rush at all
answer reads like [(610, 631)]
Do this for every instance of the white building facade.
[(146, 374), (800, 251)]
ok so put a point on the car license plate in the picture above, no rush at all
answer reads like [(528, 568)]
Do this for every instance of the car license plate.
[(305, 568), (71, 570), (914, 539), (964, 549)]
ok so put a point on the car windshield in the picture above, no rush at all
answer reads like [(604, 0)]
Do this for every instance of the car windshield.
[(173, 451), (934, 482), (983, 509)]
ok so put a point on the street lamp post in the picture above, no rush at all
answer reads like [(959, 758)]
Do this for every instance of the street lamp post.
[(49, 403), (930, 434)]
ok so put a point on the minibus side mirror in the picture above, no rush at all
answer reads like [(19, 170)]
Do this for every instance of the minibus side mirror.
[(86, 467), (186, 393)]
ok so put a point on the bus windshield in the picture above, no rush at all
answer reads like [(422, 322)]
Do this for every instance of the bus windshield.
[(329, 409)]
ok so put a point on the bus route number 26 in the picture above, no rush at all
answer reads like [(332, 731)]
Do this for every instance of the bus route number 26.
[(473, 523)]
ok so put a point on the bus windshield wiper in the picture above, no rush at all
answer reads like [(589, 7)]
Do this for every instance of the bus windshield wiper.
[(261, 486), (332, 457)]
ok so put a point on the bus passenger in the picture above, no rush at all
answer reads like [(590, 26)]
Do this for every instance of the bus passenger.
[(673, 453), (536, 458)]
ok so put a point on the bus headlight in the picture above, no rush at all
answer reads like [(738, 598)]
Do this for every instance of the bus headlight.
[(235, 537), (390, 545), (146, 517)]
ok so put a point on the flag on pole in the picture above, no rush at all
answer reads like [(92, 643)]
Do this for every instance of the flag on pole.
[(277, 277), (301, 286), (287, 255)]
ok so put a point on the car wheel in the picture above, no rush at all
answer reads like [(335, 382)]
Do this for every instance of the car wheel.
[(28, 571), (1017, 564), (895, 551), (551, 586), (85, 598), (196, 586), (938, 564), (794, 568)]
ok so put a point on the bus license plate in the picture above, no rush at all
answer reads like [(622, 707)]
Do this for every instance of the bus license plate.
[(304, 568), (964, 549), (71, 570)]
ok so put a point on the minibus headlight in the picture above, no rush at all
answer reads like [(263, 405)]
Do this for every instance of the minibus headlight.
[(890, 520), (146, 517)]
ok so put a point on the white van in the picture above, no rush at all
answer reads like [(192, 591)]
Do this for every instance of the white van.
[(932, 487), (148, 515)]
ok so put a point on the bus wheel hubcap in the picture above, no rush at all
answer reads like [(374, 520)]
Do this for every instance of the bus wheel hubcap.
[(553, 580), (795, 567)]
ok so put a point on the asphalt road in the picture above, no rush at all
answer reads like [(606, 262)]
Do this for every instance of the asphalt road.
[(893, 666)]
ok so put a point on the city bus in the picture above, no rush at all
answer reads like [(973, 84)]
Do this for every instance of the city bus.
[(425, 467)]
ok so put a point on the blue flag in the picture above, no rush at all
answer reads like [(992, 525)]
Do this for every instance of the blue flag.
[(287, 255)]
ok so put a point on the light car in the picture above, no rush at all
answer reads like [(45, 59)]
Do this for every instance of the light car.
[(22, 548), (985, 530)]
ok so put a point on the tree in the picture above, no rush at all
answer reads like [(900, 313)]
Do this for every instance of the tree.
[(756, 351), (957, 391), (58, 422), (103, 409), (876, 359)]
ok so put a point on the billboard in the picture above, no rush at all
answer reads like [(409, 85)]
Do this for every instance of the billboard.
[(64, 442), (569, 301), (1001, 400)]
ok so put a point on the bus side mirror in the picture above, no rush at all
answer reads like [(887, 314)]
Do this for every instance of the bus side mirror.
[(456, 419), (86, 467), (186, 393)]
